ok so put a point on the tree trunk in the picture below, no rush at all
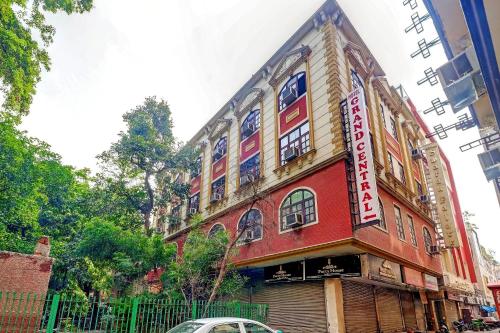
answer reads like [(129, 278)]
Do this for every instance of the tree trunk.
[(148, 208)]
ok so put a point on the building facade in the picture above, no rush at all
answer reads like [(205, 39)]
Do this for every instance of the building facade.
[(329, 164), (470, 34)]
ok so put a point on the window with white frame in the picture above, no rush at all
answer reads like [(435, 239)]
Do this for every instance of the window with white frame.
[(427, 240), (216, 228), (219, 187), (401, 173), (299, 204), (220, 149), (296, 86), (394, 130), (250, 167), (399, 223), (194, 204), (296, 139), (411, 227), (382, 224), (250, 124), (196, 168), (250, 226)]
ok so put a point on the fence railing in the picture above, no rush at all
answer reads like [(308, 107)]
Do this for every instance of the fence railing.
[(29, 312)]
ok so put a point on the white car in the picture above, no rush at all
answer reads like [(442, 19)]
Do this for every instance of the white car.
[(222, 325)]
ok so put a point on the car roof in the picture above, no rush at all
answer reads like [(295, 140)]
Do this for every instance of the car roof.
[(219, 320)]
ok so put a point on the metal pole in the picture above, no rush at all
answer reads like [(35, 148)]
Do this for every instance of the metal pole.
[(53, 313)]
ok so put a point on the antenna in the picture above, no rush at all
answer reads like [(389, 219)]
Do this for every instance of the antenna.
[(413, 3), (464, 123), (423, 47), (430, 76), (416, 22), (437, 106)]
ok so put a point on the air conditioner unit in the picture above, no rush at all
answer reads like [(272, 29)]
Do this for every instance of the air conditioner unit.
[(291, 153), (294, 221), (215, 197), (193, 211), (218, 154), (248, 129), (247, 179), (434, 249), (462, 80), (416, 154), (289, 95), (424, 199), (248, 236), (490, 162)]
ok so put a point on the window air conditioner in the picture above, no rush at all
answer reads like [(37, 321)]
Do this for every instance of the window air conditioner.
[(416, 154), (215, 197), (490, 162), (218, 154), (294, 220), (291, 153), (248, 236), (248, 130), (192, 211), (434, 249), (462, 80), (247, 179), (289, 95), (424, 199)]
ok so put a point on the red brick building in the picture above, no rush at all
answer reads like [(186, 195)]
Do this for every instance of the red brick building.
[(286, 137)]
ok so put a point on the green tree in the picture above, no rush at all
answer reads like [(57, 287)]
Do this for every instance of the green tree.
[(22, 58), (142, 166), (193, 276)]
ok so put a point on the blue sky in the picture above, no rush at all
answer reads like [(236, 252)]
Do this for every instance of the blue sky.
[(196, 54)]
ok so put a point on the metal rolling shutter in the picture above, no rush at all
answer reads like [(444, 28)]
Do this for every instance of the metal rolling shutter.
[(360, 314), (389, 310), (295, 307), (409, 313), (419, 312), (451, 311)]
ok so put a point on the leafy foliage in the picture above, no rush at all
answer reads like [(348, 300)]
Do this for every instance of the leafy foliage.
[(142, 166), (194, 274), (22, 58)]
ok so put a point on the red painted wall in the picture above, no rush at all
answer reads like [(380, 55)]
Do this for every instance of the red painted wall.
[(389, 241), (333, 215)]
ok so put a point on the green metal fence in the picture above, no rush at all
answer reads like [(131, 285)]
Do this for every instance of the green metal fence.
[(28, 312)]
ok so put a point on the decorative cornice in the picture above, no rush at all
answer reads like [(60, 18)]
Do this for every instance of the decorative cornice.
[(288, 64), (385, 95), (218, 128), (362, 63), (251, 98)]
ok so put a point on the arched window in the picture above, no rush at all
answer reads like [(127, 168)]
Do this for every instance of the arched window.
[(298, 209), (427, 240), (216, 228), (250, 124), (196, 171), (293, 89), (383, 225), (251, 224), (220, 149)]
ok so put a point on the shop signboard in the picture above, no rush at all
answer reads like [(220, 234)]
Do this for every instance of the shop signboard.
[(431, 282), (369, 210), (289, 272), (443, 202), (319, 268), (413, 277), (383, 269)]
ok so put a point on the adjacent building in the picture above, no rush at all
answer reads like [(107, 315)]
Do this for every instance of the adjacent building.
[(469, 31), (342, 209)]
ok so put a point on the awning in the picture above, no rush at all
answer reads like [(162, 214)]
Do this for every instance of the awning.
[(488, 308)]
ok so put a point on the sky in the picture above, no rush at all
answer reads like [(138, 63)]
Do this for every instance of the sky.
[(196, 54)]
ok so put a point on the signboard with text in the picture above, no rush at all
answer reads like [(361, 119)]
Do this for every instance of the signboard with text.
[(319, 268), (292, 271), (369, 211), (443, 203)]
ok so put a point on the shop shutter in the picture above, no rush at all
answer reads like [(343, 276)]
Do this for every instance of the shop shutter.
[(419, 312), (389, 310), (360, 314), (294, 307), (408, 306), (451, 311)]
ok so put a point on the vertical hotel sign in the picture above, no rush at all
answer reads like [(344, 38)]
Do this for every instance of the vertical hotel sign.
[(369, 211), (443, 204)]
